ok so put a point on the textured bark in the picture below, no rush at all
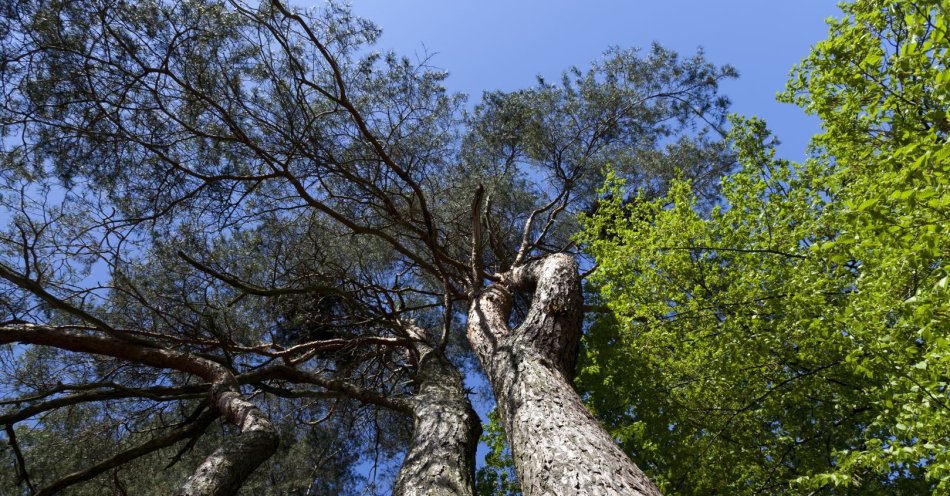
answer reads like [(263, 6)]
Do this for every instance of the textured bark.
[(223, 472), (441, 456), (226, 469), (557, 445)]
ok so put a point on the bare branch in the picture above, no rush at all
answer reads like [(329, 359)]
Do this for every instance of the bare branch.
[(189, 430), (476, 255), (257, 290), (35, 288), (22, 472), (155, 394)]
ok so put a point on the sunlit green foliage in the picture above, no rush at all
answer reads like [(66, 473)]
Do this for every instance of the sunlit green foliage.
[(497, 476), (795, 338)]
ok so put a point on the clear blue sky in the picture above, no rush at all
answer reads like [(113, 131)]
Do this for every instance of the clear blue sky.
[(494, 44)]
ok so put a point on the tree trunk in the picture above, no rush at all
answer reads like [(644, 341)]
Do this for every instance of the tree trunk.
[(557, 445), (226, 469), (441, 456)]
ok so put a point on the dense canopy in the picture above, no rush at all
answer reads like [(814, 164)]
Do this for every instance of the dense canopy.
[(795, 337)]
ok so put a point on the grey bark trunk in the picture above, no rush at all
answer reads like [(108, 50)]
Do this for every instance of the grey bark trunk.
[(226, 469), (441, 456), (557, 445)]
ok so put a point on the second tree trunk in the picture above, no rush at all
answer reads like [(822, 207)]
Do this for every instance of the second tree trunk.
[(557, 445)]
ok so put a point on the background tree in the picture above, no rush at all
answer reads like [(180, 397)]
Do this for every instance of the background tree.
[(237, 211), (793, 339)]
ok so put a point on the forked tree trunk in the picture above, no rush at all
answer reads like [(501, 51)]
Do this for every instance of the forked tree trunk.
[(557, 445), (441, 456), (224, 471)]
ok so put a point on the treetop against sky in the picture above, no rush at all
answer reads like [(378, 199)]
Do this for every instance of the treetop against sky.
[(504, 45)]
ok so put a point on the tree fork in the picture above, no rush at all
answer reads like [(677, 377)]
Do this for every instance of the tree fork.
[(557, 445)]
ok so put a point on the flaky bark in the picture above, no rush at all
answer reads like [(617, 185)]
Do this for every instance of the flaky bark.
[(441, 456), (226, 469), (223, 472), (557, 445)]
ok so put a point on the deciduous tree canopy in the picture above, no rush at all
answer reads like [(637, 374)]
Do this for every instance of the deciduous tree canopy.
[(795, 337)]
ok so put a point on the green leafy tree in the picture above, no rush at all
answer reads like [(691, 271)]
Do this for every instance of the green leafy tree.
[(794, 339), (497, 476)]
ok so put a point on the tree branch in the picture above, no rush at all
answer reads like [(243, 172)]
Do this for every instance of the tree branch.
[(22, 472), (191, 429)]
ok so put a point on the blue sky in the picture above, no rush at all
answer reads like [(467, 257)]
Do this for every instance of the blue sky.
[(495, 44)]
